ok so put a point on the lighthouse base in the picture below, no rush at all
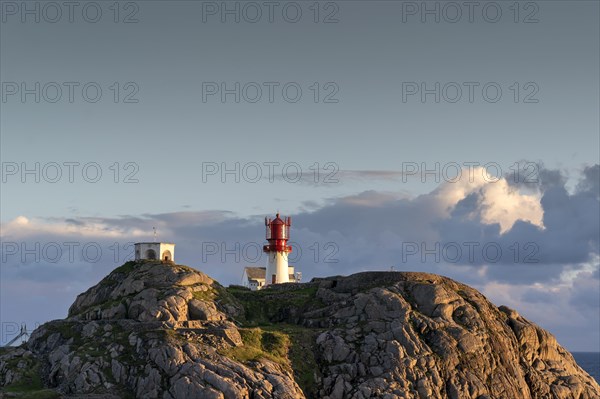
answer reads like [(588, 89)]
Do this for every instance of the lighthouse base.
[(277, 268)]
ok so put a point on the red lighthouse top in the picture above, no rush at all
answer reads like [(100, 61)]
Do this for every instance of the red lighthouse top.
[(278, 232)]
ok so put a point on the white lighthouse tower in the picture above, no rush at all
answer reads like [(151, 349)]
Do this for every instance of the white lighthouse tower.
[(278, 233)]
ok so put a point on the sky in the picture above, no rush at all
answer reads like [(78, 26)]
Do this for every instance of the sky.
[(447, 137)]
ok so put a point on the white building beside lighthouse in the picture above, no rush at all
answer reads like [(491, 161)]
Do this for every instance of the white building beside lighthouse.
[(164, 251), (254, 277)]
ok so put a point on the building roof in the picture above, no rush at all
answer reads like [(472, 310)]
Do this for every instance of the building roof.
[(277, 220), (254, 273)]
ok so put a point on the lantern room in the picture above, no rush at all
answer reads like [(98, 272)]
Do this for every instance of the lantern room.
[(277, 234)]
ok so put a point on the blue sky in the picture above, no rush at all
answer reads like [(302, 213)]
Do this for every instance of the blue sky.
[(362, 120)]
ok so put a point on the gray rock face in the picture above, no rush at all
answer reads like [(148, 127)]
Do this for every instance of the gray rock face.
[(417, 336), (158, 330), (149, 330), (202, 310)]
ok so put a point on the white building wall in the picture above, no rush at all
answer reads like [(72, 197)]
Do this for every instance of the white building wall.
[(244, 279), (167, 248)]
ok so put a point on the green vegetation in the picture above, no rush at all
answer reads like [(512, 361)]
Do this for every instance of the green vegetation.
[(89, 350), (126, 267), (259, 344), (66, 329), (30, 386), (290, 345), (224, 296), (269, 317), (4, 350), (27, 393), (267, 306), (208, 295), (301, 353)]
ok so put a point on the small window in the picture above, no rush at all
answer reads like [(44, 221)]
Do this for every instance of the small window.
[(150, 254)]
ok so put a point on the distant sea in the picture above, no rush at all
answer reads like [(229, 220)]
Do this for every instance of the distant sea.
[(590, 362)]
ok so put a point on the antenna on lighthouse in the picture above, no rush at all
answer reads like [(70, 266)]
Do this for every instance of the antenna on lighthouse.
[(154, 228)]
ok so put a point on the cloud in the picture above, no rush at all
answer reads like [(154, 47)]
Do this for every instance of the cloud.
[(591, 182), (567, 306), (370, 198), (497, 201), (550, 228), (548, 239), (329, 174), (23, 226)]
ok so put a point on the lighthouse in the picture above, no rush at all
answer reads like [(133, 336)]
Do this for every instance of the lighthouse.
[(278, 233)]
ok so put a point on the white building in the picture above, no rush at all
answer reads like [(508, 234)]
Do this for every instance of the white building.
[(164, 251), (254, 277)]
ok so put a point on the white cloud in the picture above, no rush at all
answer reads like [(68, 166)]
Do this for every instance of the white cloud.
[(499, 202), (22, 227)]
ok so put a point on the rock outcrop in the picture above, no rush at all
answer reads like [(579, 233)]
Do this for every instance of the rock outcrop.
[(148, 330), (160, 330), (414, 335)]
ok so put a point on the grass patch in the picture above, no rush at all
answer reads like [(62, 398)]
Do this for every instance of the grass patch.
[(126, 267), (5, 350), (239, 290), (114, 276), (224, 296), (67, 330), (90, 351), (290, 345), (208, 295), (259, 344), (39, 394), (278, 337), (267, 306), (30, 385), (301, 353)]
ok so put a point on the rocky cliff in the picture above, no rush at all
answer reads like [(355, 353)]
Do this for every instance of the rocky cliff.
[(159, 330)]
